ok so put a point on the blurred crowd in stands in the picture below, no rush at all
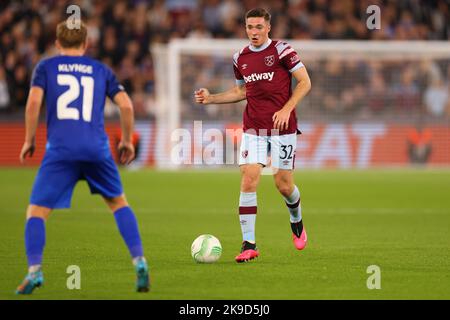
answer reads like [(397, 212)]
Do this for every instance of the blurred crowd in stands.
[(343, 89), (121, 34)]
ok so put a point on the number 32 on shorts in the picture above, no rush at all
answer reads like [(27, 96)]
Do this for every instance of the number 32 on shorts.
[(286, 152)]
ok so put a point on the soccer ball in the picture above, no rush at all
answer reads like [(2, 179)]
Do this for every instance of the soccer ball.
[(206, 249)]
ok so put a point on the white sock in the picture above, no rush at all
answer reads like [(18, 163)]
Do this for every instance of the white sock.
[(247, 215), (294, 205), (34, 268), (136, 259)]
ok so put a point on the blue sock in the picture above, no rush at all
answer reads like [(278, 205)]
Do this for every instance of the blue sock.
[(127, 224), (34, 240)]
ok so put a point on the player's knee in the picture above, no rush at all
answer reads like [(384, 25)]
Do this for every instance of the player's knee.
[(250, 178), (249, 182), (116, 203), (34, 211)]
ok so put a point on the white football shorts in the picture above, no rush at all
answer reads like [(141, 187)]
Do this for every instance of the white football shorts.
[(275, 151)]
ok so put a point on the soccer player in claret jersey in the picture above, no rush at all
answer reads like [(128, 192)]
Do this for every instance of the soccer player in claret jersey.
[(75, 88), (263, 72)]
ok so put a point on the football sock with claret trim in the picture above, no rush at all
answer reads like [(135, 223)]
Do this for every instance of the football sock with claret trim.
[(295, 211), (247, 215)]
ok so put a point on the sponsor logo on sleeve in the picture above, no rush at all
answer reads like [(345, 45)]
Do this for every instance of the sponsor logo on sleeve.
[(295, 59)]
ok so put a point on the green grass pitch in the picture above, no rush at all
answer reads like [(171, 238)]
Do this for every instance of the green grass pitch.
[(396, 219)]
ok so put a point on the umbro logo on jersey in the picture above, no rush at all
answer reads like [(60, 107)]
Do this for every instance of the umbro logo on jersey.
[(259, 76), (244, 66)]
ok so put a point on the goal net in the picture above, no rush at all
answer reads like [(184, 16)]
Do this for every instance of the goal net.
[(372, 103)]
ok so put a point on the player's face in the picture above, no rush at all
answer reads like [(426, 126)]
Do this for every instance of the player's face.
[(257, 30)]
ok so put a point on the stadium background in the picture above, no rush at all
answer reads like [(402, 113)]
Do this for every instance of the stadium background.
[(396, 219), (406, 101)]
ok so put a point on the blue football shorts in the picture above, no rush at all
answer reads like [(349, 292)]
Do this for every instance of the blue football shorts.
[(56, 179)]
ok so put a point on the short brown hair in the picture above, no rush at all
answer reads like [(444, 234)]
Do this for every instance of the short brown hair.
[(258, 13), (71, 38)]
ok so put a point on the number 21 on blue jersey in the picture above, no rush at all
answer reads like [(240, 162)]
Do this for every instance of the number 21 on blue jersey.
[(63, 111)]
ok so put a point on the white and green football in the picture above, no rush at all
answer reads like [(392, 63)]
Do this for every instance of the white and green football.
[(206, 249)]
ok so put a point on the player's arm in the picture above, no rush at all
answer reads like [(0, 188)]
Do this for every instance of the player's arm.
[(126, 148), (32, 111), (235, 94), (281, 118)]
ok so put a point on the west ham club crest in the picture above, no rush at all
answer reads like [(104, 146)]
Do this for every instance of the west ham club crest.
[(269, 60)]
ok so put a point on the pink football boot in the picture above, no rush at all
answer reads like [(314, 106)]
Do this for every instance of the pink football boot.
[(300, 243), (248, 252)]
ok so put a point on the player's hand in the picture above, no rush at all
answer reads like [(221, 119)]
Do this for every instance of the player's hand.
[(126, 152), (281, 119), (27, 150), (202, 96)]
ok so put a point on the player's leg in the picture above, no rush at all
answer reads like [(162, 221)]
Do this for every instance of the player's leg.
[(34, 247), (284, 182), (129, 230), (52, 188), (253, 156), (250, 176), (248, 206), (283, 151), (127, 224), (103, 178), (35, 235)]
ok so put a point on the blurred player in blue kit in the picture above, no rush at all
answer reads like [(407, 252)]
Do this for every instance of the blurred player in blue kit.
[(75, 88)]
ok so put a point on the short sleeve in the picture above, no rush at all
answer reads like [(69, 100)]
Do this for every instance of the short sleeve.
[(289, 58), (113, 85), (39, 77), (237, 74)]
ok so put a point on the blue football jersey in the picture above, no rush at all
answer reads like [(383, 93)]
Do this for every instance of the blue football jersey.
[(75, 89)]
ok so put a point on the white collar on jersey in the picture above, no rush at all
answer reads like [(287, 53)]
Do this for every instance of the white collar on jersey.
[(265, 45)]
